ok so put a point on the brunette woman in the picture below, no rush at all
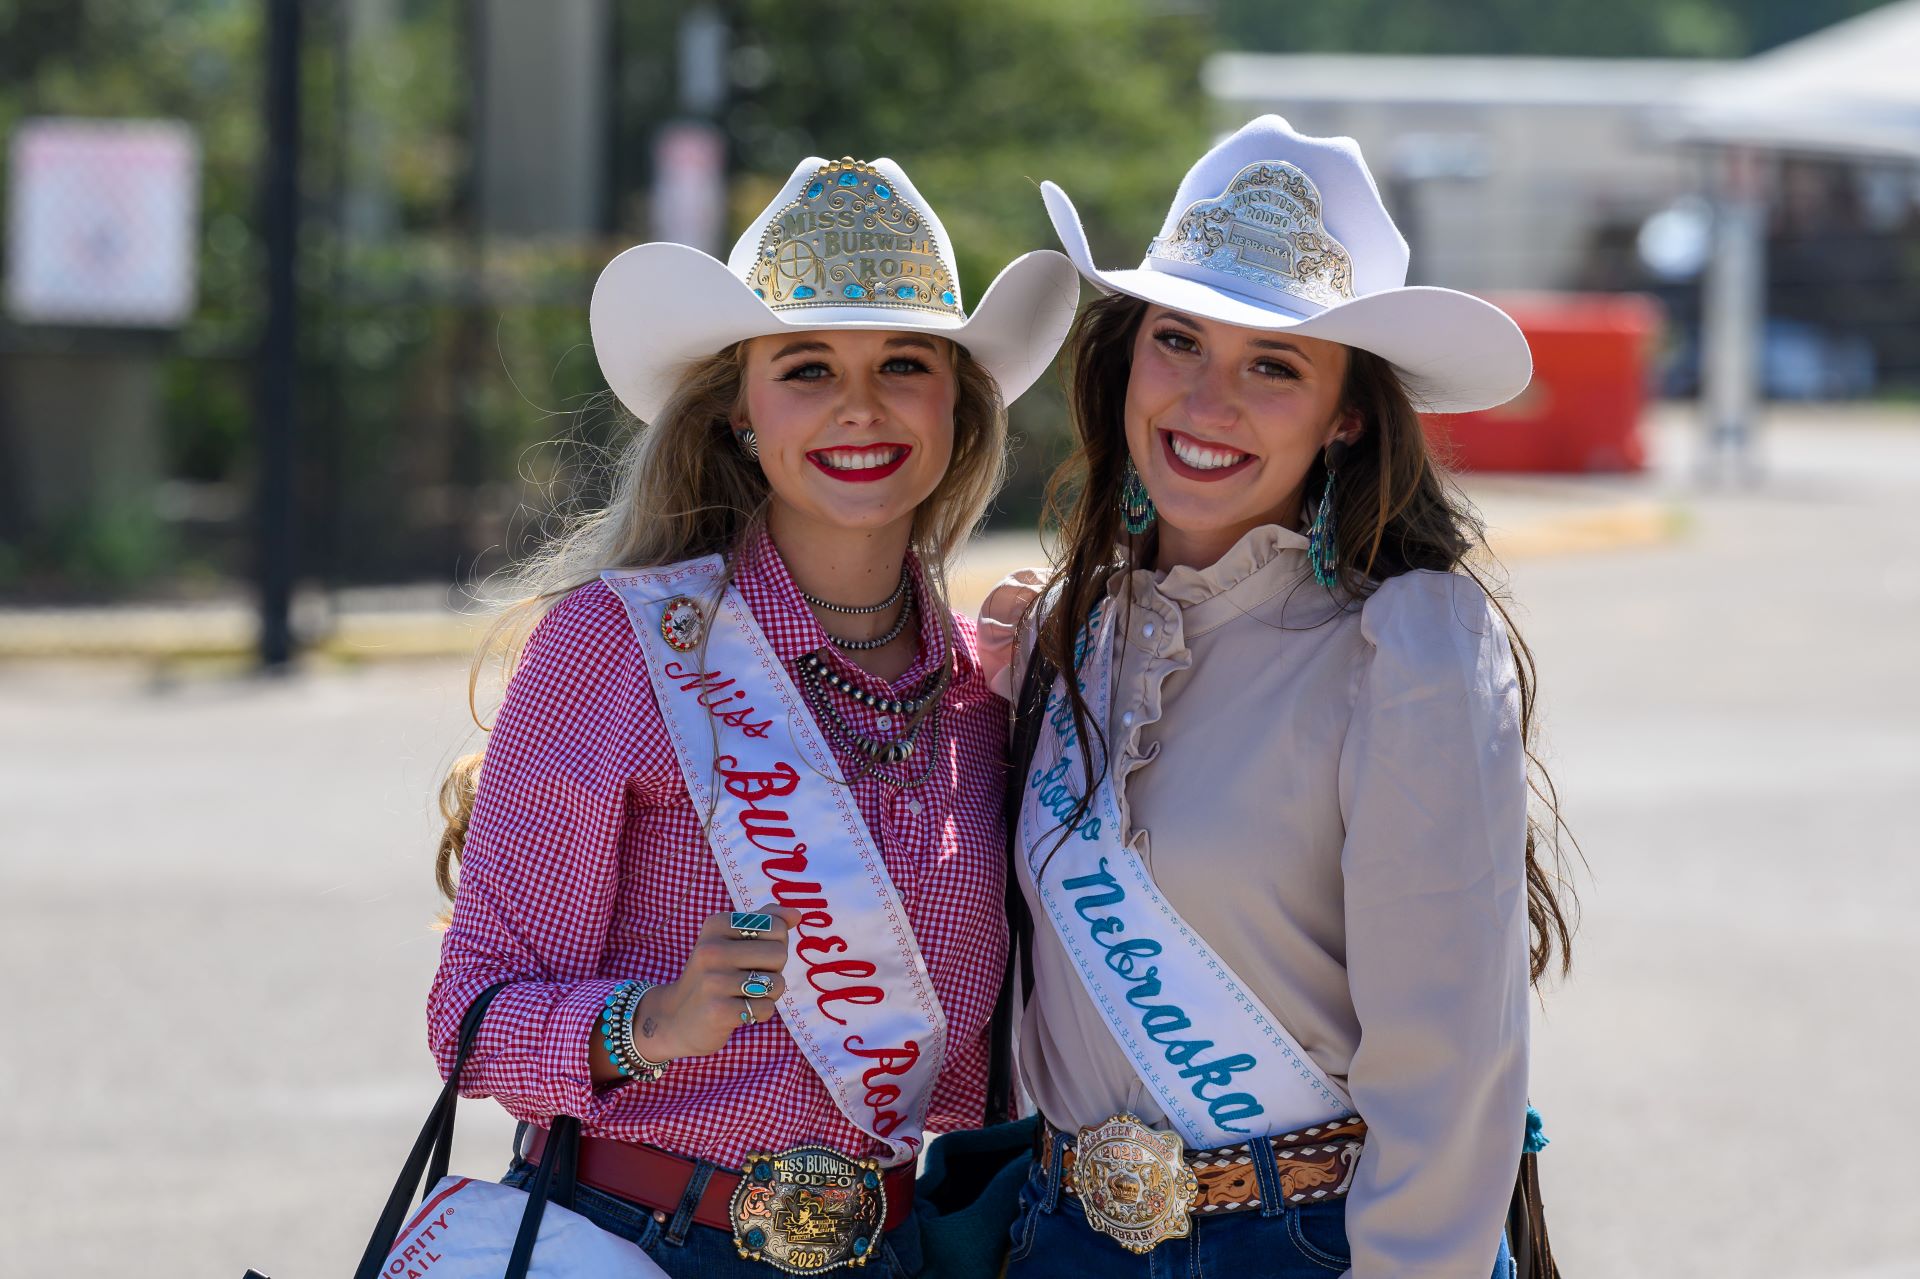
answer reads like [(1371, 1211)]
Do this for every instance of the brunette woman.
[(1273, 819)]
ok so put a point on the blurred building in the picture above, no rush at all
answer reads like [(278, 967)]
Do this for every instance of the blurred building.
[(1777, 194), (1504, 173)]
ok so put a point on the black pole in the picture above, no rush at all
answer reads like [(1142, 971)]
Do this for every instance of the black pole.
[(280, 222)]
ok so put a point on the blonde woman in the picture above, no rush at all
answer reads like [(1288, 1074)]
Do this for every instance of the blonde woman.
[(735, 844), (1273, 826)]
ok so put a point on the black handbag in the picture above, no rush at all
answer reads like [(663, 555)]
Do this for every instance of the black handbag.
[(969, 1194)]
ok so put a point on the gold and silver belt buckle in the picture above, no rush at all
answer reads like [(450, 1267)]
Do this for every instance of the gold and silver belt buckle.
[(808, 1210), (1134, 1183)]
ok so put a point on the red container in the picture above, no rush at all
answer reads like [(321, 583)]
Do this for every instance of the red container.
[(1582, 411)]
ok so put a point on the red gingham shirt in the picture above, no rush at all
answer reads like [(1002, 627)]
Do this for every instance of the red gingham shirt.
[(584, 866)]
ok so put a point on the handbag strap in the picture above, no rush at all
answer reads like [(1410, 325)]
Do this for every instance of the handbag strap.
[(562, 1152), (1527, 1225), (427, 1162), (1028, 711)]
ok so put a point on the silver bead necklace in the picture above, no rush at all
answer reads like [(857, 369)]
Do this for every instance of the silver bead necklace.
[(879, 641), (876, 753), (852, 610)]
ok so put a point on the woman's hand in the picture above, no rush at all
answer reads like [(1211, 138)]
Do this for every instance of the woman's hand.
[(693, 1017)]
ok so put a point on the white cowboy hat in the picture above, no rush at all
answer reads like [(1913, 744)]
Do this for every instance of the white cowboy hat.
[(845, 245), (1276, 230)]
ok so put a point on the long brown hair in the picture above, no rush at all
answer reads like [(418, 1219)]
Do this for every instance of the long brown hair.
[(1396, 509), (682, 489)]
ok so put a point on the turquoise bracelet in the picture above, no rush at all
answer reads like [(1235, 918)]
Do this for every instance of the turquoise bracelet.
[(616, 1033)]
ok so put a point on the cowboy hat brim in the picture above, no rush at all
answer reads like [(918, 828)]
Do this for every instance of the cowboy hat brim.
[(658, 306), (1454, 352)]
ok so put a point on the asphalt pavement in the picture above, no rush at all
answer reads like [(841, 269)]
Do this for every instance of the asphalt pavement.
[(216, 908)]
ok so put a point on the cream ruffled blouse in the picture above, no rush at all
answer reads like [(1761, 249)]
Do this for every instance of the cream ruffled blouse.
[(1336, 799)]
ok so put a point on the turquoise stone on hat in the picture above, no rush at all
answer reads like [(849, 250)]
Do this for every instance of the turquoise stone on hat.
[(902, 259)]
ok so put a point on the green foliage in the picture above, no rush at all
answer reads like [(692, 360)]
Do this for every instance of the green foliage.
[(981, 99)]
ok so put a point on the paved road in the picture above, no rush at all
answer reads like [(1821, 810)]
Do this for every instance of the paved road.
[(215, 906)]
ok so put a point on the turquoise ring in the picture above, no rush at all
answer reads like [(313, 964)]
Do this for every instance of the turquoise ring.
[(750, 924), (756, 986)]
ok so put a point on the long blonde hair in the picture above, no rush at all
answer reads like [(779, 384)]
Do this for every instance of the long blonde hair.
[(682, 489)]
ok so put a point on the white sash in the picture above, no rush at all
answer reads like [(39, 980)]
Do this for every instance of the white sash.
[(859, 1002), (1222, 1067)]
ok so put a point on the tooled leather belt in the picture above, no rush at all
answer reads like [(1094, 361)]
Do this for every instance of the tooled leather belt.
[(656, 1179), (1315, 1164)]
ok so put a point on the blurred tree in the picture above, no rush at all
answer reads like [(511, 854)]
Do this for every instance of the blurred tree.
[(980, 100)]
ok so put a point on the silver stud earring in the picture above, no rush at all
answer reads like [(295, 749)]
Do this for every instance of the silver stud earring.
[(749, 443)]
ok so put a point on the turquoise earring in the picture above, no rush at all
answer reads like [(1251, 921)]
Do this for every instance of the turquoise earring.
[(1323, 548), (1136, 504)]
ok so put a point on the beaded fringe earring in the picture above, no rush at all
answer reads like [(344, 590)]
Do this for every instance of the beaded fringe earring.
[(1136, 504), (1323, 547)]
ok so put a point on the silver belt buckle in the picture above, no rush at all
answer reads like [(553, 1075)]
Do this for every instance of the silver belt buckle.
[(1134, 1183)]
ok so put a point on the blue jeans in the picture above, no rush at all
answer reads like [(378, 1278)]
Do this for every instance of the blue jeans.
[(1052, 1240), (687, 1250)]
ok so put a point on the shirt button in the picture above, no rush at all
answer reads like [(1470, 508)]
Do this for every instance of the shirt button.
[(884, 723), (914, 806), (1126, 717), (1147, 630)]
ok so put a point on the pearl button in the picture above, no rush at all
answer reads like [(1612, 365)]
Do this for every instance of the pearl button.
[(1147, 630), (1126, 717), (914, 806), (885, 723)]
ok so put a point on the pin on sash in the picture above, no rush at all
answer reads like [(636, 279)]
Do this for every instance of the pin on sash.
[(682, 624)]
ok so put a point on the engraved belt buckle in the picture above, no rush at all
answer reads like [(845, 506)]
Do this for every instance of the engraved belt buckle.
[(1134, 1182), (808, 1210)]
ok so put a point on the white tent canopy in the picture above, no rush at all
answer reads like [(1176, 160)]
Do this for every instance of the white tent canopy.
[(1853, 88)]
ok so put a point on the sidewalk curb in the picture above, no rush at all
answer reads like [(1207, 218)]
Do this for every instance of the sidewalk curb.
[(1617, 528), (226, 635)]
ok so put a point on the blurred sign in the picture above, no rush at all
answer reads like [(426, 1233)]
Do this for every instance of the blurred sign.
[(102, 222), (689, 185)]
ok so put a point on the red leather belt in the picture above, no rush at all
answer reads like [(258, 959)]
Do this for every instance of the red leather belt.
[(657, 1180)]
